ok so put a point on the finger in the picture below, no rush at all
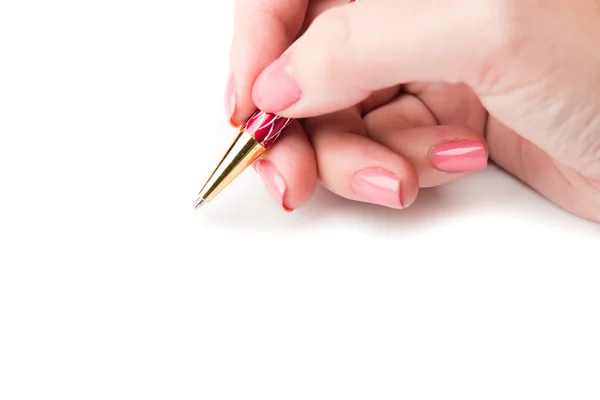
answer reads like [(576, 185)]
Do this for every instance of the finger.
[(439, 153), (403, 112), (350, 51), (263, 29), (289, 170), (357, 168), (316, 8), (561, 185), (378, 99), (451, 104)]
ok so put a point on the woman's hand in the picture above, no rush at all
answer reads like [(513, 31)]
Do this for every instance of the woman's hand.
[(386, 84)]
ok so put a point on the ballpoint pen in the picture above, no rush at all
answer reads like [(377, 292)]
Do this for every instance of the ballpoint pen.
[(254, 138)]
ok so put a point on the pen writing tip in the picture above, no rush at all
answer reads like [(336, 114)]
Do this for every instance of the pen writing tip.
[(199, 203)]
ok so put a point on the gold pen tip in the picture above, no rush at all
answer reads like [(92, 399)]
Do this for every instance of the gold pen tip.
[(199, 203)]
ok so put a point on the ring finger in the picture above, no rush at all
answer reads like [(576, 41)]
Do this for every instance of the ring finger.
[(439, 153)]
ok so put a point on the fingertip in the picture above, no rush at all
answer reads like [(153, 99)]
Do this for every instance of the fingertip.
[(230, 100), (460, 156), (274, 182), (288, 170), (276, 89), (358, 168), (410, 188), (381, 186), (238, 103)]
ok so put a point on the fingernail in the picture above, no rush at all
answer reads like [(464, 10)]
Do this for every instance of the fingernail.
[(596, 183), (460, 157), (230, 99), (274, 182), (378, 186), (276, 89)]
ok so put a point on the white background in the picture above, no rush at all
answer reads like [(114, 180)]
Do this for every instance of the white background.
[(111, 287)]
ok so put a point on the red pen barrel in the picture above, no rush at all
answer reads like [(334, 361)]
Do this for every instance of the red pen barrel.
[(265, 128)]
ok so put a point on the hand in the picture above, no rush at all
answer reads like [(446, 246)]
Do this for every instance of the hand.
[(525, 78), (392, 135)]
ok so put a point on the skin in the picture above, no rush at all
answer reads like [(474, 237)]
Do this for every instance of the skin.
[(521, 76)]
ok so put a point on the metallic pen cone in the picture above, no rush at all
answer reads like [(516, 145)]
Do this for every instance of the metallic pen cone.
[(242, 153), (199, 203)]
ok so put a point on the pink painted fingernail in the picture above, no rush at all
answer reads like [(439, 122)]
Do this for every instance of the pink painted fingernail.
[(274, 182), (460, 156), (378, 186), (276, 89), (230, 99)]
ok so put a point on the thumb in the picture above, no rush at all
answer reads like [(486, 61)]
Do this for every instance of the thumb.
[(350, 51)]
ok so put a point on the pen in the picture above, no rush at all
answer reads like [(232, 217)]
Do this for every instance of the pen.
[(254, 138)]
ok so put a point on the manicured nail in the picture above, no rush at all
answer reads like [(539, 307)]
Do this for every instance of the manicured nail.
[(378, 186), (460, 157), (274, 182), (230, 99), (276, 89)]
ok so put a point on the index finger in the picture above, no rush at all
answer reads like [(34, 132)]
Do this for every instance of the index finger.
[(263, 29)]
